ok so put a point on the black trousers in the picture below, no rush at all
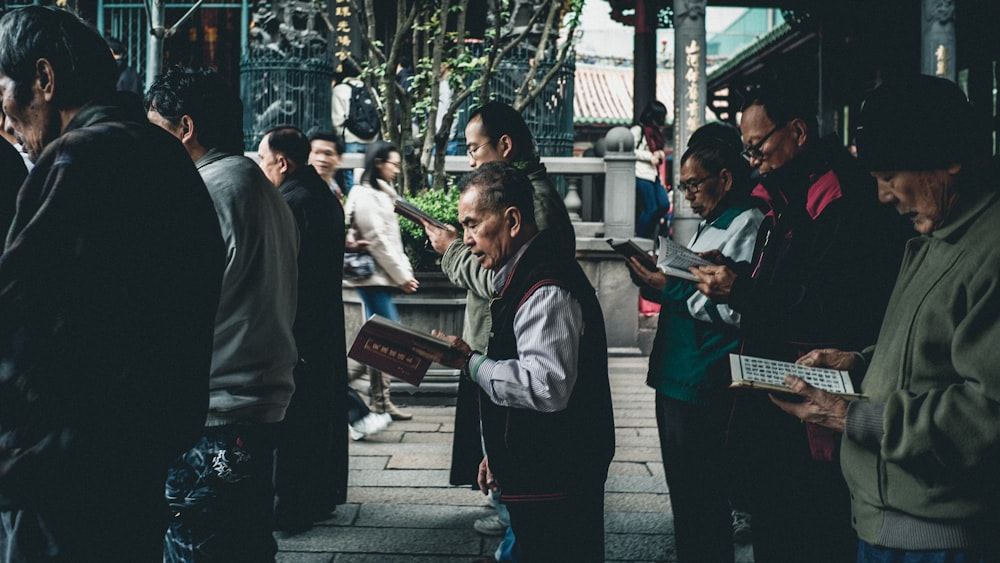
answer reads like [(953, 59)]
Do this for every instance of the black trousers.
[(692, 443), (563, 530), (800, 507)]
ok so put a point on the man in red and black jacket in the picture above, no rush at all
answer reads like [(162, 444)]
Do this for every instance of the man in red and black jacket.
[(825, 262)]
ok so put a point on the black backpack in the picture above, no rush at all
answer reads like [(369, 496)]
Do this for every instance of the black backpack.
[(362, 117)]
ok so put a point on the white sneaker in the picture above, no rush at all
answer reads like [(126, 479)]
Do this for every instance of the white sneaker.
[(371, 424), (491, 525)]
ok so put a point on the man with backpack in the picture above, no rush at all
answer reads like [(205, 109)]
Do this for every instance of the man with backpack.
[(355, 117)]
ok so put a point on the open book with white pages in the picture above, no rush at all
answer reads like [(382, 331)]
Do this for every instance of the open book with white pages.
[(674, 258), (769, 375), (678, 258)]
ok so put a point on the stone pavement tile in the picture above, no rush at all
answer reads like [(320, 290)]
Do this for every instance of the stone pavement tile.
[(637, 453), (419, 461), (381, 558), (343, 516), (654, 432), (634, 502), (416, 426), (635, 411), (655, 467), (376, 515), (389, 436), (628, 468), (428, 437), (454, 496), (636, 484), (298, 557), (639, 547), (636, 422), (626, 432), (369, 461), (638, 523), (401, 541), (409, 478), (637, 392), (448, 427), (631, 362), (365, 447), (634, 440)]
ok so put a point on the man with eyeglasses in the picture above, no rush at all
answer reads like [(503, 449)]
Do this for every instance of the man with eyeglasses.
[(820, 276), (496, 132)]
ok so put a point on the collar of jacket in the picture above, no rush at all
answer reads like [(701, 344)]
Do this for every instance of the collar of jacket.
[(969, 205), (118, 106)]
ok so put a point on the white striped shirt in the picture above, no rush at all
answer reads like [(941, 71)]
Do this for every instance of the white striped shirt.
[(547, 328)]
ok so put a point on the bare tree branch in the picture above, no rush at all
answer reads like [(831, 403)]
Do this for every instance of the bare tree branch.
[(555, 7)]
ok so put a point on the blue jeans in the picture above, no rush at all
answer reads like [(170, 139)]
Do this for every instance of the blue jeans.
[(378, 301), (653, 199), (221, 497), (349, 173), (868, 553)]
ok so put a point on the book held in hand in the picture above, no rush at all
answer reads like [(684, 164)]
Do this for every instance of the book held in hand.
[(674, 258), (629, 249), (769, 375), (415, 214), (398, 350)]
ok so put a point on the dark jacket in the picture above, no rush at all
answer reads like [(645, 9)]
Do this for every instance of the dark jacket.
[(312, 455), (826, 260), (537, 453), (12, 174), (108, 292)]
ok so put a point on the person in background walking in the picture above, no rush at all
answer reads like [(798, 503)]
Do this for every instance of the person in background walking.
[(326, 148), (128, 78), (370, 215), (311, 462)]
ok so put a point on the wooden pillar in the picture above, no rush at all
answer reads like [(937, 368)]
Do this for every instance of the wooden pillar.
[(690, 98), (644, 58)]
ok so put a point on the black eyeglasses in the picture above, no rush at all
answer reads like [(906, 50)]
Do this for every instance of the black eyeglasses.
[(473, 148), (754, 152), (692, 186)]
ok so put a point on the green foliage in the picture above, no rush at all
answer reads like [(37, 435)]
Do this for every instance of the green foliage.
[(443, 206)]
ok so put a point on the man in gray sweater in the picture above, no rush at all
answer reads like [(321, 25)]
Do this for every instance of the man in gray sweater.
[(220, 492), (921, 452)]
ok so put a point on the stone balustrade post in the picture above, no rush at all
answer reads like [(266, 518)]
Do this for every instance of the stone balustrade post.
[(619, 184)]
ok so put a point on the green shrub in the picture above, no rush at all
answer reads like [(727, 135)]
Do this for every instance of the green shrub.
[(439, 204)]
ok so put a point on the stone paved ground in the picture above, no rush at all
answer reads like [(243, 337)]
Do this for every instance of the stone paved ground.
[(401, 508)]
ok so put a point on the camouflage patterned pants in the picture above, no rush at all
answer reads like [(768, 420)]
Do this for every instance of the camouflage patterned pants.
[(221, 496)]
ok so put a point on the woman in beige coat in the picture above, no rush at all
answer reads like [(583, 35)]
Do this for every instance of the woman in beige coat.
[(369, 211)]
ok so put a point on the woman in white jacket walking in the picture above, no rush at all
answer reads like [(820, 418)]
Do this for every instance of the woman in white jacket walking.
[(369, 212)]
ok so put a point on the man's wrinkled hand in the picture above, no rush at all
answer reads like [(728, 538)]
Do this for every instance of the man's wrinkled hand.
[(486, 480), (642, 276), (460, 350), (716, 257), (831, 358), (716, 282), (818, 406)]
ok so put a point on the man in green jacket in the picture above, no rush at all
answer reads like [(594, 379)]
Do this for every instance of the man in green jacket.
[(495, 132), (921, 454)]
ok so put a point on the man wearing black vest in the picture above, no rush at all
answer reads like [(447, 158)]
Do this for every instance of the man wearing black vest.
[(544, 397)]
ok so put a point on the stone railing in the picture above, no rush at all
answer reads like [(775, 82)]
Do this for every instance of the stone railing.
[(600, 196)]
